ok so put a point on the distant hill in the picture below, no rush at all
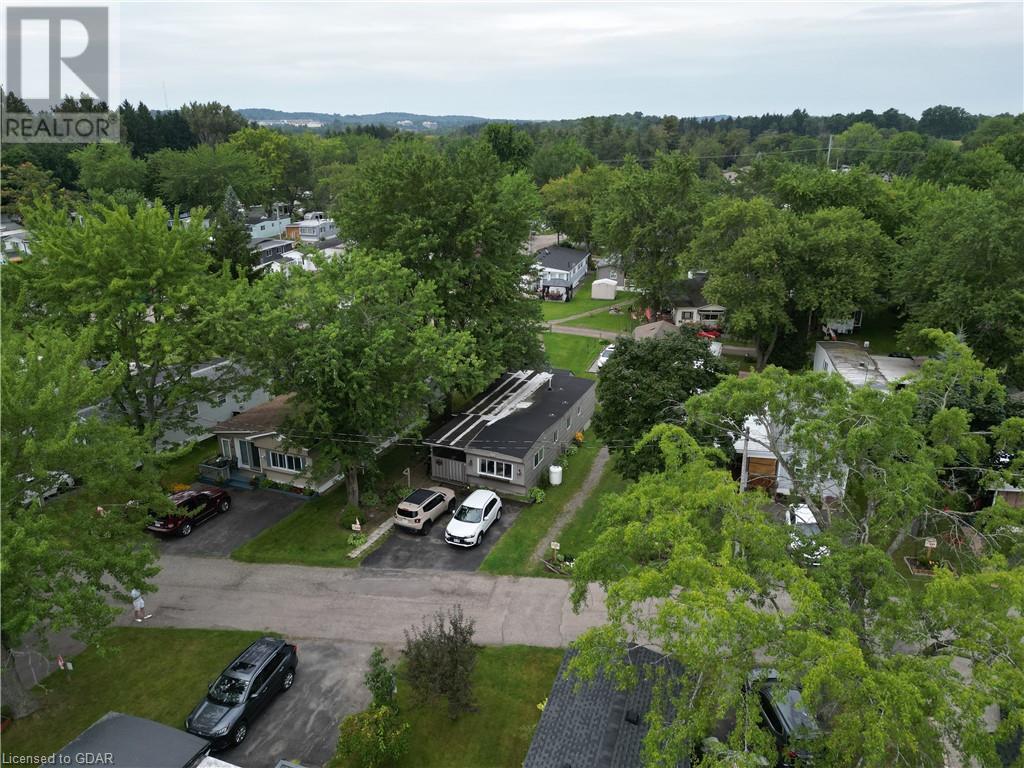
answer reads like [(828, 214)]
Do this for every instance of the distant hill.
[(404, 120)]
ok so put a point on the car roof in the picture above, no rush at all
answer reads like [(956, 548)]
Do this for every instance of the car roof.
[(479, 497), (796, 719), (419, 496), (250, 660), (801, 513)]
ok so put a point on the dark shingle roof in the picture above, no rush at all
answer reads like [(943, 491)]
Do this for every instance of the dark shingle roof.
[(560, 258), (134, 741), (688, 293), (515, 433), (593, 726)]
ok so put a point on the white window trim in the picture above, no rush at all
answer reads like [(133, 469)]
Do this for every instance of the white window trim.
[(241, 455), (480, 463), (284, 457), (225, 447), (538, 457)]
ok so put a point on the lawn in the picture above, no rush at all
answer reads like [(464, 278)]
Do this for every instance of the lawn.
[(573, 353), (620, 322), (581, 302), (879, 328), (508, 684), (183, 469), (580, 533), (512, 554), (312, 534), (135, 677)]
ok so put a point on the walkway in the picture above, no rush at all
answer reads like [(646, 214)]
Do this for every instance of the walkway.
[(364, 606), (571, 506), (588, 313)]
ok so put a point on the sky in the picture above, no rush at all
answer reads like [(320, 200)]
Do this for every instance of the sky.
[(562, 60)]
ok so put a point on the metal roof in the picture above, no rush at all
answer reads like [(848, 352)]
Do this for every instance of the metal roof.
[(134, 741)]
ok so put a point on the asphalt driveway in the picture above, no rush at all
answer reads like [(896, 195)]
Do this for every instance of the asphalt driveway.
[(301, 724), (403, 549), (251, 512)]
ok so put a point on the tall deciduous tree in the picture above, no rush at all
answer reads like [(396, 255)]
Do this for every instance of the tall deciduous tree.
[(571, 201), (648, 218), (642, 385), (145, 294), (201, 176), (108, 167), (461, 223), (63, 562), (212, 123), (362, 345)]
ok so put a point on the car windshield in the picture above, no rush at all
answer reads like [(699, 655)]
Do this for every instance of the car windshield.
[(227, 690), (469, 514)]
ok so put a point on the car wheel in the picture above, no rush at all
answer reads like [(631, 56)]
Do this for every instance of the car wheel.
[(186, 529), (289, 678), (425, 528), (478, 537), (225, 505), (498, 516), (238, 735)]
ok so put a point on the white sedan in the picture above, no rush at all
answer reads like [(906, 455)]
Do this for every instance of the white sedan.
[(605, 355), (45, 487), (475, 515)]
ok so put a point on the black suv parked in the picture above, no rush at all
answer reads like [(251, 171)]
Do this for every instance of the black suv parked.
[(242, 691), (783, 714)]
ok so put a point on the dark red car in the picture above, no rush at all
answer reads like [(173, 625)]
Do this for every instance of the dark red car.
[(193, 508)]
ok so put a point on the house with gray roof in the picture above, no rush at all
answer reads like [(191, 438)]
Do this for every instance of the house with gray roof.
[(509, 435), (559, 271), (596, 724), (690, 307)]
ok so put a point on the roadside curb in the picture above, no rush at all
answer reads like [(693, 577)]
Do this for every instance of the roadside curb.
[(383, 528)]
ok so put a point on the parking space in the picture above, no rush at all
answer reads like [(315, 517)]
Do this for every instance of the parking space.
[(252, 511), (403, 549), (301, 724)]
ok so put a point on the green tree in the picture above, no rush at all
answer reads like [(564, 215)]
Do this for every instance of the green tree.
[(24, 185), (647, 219), (459, 222), (284, 159), (570, 202), (555, 159), (642, 385), (373, 738), (959, 271), (511, 145), (361, 346), (145, 293), (202, 175), (381, 680), (212, 123), (230, 242), (66, 565), (440, 658), (108, 167), (946, 122)]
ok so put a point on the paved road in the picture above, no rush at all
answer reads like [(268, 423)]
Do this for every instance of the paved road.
[(404, 549), (364, 606), (592, 332)]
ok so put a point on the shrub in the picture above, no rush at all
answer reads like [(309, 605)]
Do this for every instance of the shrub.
[(537, 495), (440, 658), (348, 515), (356, 540), (370, 499), (572, 450), (372, 738), (177, 487), (578, 438), (381, 681), (395, 494)]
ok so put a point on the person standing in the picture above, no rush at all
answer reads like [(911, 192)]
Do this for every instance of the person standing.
[(139, 606)]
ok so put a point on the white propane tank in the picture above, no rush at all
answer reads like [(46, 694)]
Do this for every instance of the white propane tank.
[(556, 474)]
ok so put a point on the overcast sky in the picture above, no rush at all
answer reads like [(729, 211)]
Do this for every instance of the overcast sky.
[(558, 60)]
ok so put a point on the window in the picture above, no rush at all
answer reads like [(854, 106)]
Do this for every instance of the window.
[(538, 457), (287, 461), (579, 410), (225, 448), (248, 455), (688, 315), (568, 421), (492, 468), (554, 436)]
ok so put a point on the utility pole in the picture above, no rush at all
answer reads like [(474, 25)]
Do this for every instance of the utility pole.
[(828, 157)]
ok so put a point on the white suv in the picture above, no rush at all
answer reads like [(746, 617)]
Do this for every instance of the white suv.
[(804, 529), (472, 519)]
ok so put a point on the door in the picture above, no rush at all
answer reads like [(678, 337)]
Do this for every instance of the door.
[(204, 508), (432, 509), (490, 512), (260, 693), (248, 455)]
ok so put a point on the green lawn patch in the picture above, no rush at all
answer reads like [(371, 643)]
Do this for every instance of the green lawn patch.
[(579, 534), (512, 554), (159, 674), (183, 469), (581, 302), (619, 322), (311, 535), (508, 684), (573, 353), (879, 328)]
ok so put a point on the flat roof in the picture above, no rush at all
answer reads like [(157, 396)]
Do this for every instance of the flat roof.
[(859, 367), (513, 413), (134, 741)]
